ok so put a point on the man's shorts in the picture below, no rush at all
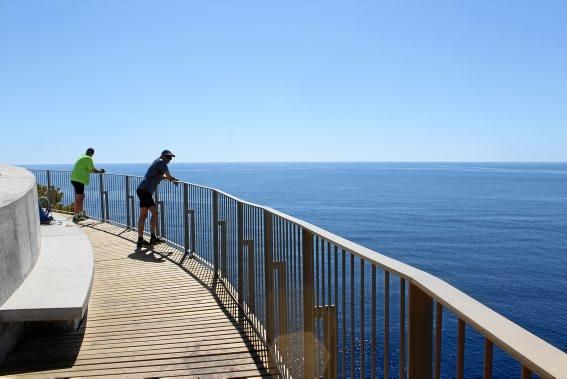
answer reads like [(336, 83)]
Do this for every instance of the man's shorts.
[(146, 199), (79, 187)]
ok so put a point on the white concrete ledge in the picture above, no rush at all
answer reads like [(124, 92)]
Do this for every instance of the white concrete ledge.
[(58, 287)]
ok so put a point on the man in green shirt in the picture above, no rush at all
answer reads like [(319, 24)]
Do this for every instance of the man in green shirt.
[(80, 177)]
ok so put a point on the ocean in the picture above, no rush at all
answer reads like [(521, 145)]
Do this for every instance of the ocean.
[(496, 231)]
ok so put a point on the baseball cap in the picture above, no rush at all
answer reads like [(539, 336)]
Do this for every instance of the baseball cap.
[(167, 152)]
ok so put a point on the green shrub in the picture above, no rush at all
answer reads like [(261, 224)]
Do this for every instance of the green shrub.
[(55, 197)]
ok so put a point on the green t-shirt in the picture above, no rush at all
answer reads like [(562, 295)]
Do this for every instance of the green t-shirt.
[(82, 170)]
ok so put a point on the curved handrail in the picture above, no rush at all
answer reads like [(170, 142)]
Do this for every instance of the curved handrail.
[(532, 351)]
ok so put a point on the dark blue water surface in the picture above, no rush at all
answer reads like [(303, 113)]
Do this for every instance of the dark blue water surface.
[(497, 231)]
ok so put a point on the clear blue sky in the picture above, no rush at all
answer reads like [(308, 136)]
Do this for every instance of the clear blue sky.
[(283, 81)]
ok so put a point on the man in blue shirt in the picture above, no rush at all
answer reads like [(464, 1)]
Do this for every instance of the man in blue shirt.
[(156, 172)]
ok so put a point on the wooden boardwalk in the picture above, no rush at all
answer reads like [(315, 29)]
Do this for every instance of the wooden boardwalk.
[(151, 314)]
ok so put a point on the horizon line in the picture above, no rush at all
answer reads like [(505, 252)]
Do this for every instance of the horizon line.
[(260, 162)]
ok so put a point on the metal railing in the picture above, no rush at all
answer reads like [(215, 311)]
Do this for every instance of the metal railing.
[(324, 306)]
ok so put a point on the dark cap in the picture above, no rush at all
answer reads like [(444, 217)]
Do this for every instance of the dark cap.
[(166, 153), (90, 151)]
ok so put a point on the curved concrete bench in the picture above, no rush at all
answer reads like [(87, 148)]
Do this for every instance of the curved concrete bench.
[(59, 285)]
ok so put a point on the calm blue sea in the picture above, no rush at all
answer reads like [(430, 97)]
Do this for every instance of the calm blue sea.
[(497, 231)]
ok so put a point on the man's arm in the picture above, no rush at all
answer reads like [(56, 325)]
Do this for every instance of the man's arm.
[(168, 176), (166, 173), (90, 165)]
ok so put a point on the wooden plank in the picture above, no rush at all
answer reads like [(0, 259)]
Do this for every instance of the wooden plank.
[(144, 324), (149, 293), (113, 356), (164, 317), (113, 304), (136, 364), (175, 374), (236, 371), (105, 332), (188, 303), (139, 312), (141, 292), (149, 285), (156, 339), (63, 352), (183, 332)]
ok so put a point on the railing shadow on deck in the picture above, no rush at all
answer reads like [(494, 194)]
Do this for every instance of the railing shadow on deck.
[(205, 277)]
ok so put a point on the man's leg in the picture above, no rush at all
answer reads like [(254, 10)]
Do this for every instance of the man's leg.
[(142, 221), (76, 208), (79, 200), (153, 220), (154, 239)]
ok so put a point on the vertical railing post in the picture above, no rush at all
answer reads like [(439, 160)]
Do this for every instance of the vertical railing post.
[(49, 192), (373, 325), (158, 226), (281, 268), (161, 212), (223, 252), (132, 221), (386, 324), (420, 333), (402, 340), (215, 219), (251, 300), (162, 219), (361, 316), (186, 217), (487, 358), (438, 331), (101, 190), (106, 205), (308, 301), (329, 315), (461, 349), (240, 237), (268, 277), (193, 230), (128, 210)]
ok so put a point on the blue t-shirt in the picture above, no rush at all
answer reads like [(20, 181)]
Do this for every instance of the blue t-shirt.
[(154, 175)]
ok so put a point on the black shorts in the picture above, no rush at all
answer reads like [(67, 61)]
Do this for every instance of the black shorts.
[(79, 187), (146, 199)]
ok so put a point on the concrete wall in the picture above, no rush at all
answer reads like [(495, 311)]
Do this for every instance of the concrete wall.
[(19, 240)]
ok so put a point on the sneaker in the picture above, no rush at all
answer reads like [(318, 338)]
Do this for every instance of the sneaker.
[(155, 240), (76, 218), (142, 243), (83, 216)]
